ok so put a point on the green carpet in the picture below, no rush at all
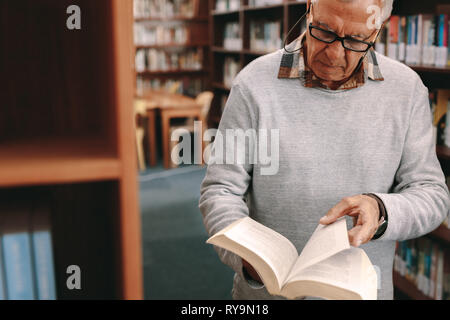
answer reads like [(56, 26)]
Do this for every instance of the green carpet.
[(178, 264)]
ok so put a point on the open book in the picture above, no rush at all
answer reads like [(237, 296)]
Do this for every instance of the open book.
[(326, 268)]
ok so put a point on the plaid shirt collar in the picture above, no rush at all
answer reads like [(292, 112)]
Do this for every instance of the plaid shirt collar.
[(293, 66)]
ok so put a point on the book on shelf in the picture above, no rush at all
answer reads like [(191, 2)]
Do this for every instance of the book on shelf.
[(42, 251), (421, 39), (152, 33), (426, 264), (227, 5), (26, 263), (187, 86), (328, 267), (261, 3), (2, 273), (165, 8), (230, 70), (231, 38), (440, 108), (17, 251), (157, 60), (265, 35)]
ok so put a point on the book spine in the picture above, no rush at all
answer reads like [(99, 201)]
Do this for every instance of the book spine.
[(434, 259), (427, 278), (440, 275), (446, 288), (44, 269), (18, 266), (2, 274)]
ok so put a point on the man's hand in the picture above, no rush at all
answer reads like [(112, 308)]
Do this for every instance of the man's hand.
[(365, 213), (251, 271)]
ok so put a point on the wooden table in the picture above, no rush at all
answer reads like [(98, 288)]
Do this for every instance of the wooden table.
[(171, 106)]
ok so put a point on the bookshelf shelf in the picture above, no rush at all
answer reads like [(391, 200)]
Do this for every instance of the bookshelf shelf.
[(431, 69), (49, 161), (261, 8), (293, 3), (224, 50), (408, 288), (172, 19), (220, 86), (225, 13), (172, 45), (442, 233), (443, 153), (171, 73)]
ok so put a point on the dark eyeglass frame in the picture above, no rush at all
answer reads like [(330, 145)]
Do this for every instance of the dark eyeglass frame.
[(336, 37)]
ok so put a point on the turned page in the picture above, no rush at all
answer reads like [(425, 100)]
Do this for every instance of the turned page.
[(325, 241), (348, 269), (276, 250)]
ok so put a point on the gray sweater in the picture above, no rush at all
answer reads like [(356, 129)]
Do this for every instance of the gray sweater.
[(332, 144)]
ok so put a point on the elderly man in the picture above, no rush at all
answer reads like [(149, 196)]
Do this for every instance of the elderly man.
[(355, 139)]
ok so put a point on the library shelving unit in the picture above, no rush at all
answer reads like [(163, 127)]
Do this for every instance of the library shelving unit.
[(67, 135), (288, 12), (197, 38)]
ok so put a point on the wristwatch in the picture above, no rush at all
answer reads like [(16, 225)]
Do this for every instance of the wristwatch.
[(383, 222)]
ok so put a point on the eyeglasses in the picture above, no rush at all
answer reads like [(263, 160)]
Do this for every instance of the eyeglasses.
[(347, 42)]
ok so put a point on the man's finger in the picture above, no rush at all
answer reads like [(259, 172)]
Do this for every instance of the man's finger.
[(363, 233), (339, 210), (352, 234)]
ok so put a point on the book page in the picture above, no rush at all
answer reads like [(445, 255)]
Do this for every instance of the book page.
[(324, 242), (276, 250), (348, 269)]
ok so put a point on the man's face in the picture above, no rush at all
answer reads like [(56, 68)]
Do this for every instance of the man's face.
[(331, 62)]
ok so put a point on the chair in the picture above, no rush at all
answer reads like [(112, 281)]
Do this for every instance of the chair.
[(141, 109), (139, 112), (204, 99), (174, 87)]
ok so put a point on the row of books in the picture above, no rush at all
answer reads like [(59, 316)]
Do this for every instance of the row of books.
[(231, 67), (26, 254), (150, 34), (160, 9), (261, 3), (186, 86), (157, 60), (417, 39), (231, 37), (265, 35), (228, 5), (426, 264), (440, 109)]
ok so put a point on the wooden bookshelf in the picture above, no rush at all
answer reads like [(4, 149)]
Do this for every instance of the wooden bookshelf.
[(67, 134), (286, 11), (442, 233), (197, 39), (408, 288)]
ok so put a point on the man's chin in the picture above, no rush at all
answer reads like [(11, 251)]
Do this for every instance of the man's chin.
[(324, 76)]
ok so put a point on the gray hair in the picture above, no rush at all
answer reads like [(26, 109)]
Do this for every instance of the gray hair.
[(386, 8)]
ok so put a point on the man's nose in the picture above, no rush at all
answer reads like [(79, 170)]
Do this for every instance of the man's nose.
[(335, 52)]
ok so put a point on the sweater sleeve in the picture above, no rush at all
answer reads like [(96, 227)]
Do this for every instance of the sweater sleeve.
[(419, 201), (223, 190)]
